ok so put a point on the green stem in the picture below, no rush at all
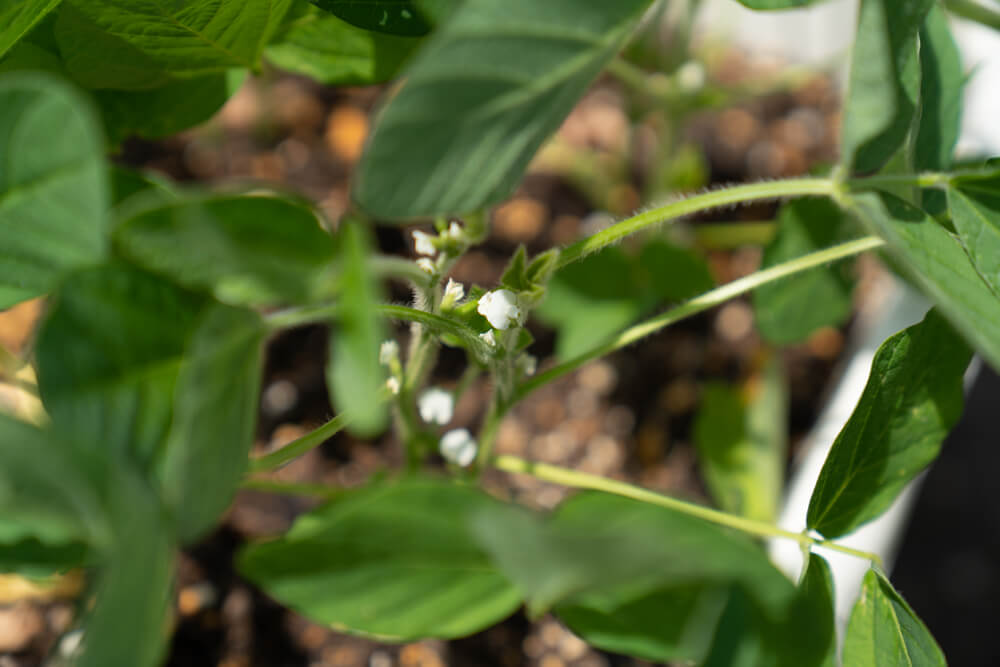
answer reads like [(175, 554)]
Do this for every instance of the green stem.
[(299, 446), (387, 266), (969, 9), (724, 197), (581, 480), (294, 317), (290, 488), (702, 303), (929, 179)]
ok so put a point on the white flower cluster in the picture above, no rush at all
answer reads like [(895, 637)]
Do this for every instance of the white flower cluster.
[(501, 308), (436, 406), (458, 447)]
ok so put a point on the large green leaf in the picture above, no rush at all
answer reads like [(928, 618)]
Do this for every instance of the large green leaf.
[(144, 44), (600, 543), (162, 111), (334, 52), (942, 83), (974, 204), (912, 399), (128, 622), (395, 17), (489, 87), (53, 189), (244, 249), (18, 17), (788, 311), (675, 623), (49, 492), (883, 630), (939, 265), (214, 416), (884, 82), (741, 441), (108, 354), (394, 560), (354, 374)]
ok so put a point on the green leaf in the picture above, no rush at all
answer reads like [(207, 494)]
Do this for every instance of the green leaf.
[(600, 543), (740, 436), (884, 82), (143, 45), (48, 490), (912, 399), (941, 89), (804, 638), (128, 623), (788, 311), (53, 186), (108, 355), (245, 249), (488, 88), (974, 204), (334, 52), (18, 17), (883, 630), (939, 265), (673, 273), (162, 111), (591, 300), (354, 375), (396, 17), (668, 624), (214, 416), (395, 561)]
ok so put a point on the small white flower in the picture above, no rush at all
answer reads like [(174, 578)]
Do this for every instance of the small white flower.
[(690, 76), (388, 352), (500, 308), (458, 447), (436, 406), (489, 338), (392, 384), (453, 293), (455, 231), (528, 364), (426, 265), (424, 243)]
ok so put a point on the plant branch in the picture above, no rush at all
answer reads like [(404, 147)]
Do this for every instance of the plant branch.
[(294, 317), (291, 488), (582, 480), (708, 200), (930, 179), (299, 446), (969, 9), (702, 303)]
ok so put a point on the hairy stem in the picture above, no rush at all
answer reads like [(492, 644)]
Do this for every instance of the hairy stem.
[(702, 303), (708, 200), (581, 480)]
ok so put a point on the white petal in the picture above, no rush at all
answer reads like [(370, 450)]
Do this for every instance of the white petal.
[(489, 338), (458, 447), (424, 244), (426, 265), (500, 308), (436, 406), (454, 291), (388, 352)]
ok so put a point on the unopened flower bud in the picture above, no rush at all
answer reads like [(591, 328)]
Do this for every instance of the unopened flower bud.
[(424, 243)]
